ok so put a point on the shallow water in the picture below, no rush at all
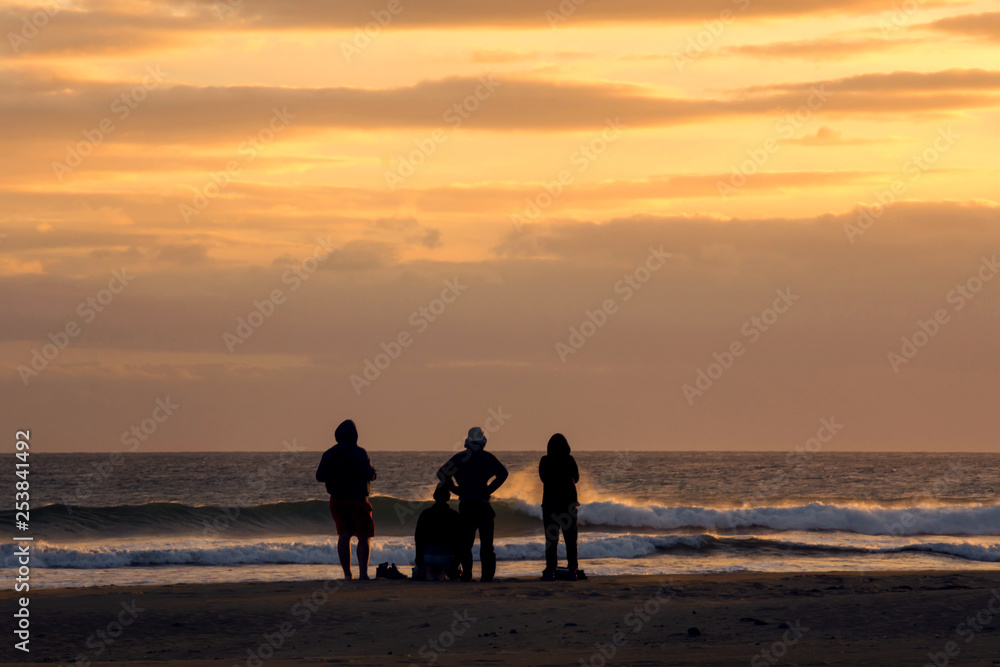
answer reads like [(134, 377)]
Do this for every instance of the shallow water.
[(170, 518)]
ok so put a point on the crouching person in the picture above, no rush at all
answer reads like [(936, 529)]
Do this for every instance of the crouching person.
[(438, 539)]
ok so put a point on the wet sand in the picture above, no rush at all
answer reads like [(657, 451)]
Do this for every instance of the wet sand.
[(741, 619)]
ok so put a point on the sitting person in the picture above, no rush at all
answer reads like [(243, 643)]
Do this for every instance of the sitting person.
[(438, 539)]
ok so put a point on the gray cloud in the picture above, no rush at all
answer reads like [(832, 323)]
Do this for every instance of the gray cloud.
[(829, 350)]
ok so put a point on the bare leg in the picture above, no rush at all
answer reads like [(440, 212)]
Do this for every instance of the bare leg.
[(344, 552), (364, 553)]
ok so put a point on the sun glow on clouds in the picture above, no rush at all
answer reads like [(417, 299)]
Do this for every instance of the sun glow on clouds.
[(273, 125)]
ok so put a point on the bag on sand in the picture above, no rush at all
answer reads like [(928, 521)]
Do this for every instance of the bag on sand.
[(386, 571), (563, 574)]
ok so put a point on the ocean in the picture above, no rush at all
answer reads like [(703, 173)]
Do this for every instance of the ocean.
[(159, 518)]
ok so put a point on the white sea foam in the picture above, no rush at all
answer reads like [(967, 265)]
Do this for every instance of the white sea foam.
[(400, 550), (866, 520)]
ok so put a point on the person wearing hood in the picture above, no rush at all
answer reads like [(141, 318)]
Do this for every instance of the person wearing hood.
[(474, 475), (348, 473), (560, 506)]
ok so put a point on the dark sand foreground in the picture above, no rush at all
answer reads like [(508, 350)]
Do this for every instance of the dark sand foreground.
[(833, 619)]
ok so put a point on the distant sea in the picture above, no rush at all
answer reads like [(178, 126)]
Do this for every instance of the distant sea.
[(149, 518)]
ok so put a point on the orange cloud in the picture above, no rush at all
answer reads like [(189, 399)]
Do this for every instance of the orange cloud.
[(32, 111), (984, 26)]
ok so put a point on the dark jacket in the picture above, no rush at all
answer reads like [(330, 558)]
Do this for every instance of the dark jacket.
[(347, 472), (559, 474), (472, 470), (438, 526)]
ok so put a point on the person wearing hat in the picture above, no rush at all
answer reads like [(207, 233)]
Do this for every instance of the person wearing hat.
[(474, 475)]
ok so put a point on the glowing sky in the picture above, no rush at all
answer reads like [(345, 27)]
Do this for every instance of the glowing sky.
[(456, 185)]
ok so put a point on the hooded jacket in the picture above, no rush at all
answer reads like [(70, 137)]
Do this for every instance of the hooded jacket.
[(347, 472), (559, 474)]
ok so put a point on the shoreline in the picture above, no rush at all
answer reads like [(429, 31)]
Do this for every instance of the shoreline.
[(834, 618)]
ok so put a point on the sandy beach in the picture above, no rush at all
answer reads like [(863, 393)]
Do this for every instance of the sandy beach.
[(755, 619)]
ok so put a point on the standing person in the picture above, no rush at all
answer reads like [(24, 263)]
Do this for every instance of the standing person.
[(559, 504), (468, 475), (347, 472), (438, 539)]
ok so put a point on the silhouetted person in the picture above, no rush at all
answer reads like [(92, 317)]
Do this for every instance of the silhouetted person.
[(439, 538), (559, 504), (347, 472), (467, 475)]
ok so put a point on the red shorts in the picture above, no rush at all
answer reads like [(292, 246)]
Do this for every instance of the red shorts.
[(353, 517)]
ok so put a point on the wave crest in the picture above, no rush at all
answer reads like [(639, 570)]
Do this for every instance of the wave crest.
[(515, 517), (865, 520), (400, 551)]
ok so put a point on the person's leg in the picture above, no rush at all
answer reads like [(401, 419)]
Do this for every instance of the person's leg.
[(344, 552), (551, 527), (364, 553), (465, 508), (570, 532), (344, 533), (364, 528), (487, 557)]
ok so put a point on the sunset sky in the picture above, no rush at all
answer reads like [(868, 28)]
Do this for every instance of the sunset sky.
[(777, 211)]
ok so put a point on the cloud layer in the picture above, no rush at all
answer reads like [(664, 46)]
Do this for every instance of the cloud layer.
[(279, 217)]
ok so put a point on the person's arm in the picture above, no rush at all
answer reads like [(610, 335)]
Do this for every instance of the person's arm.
[(542, 470), (369, 469), (445, 474), (501, 477), (321, 472), (576, 470)]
